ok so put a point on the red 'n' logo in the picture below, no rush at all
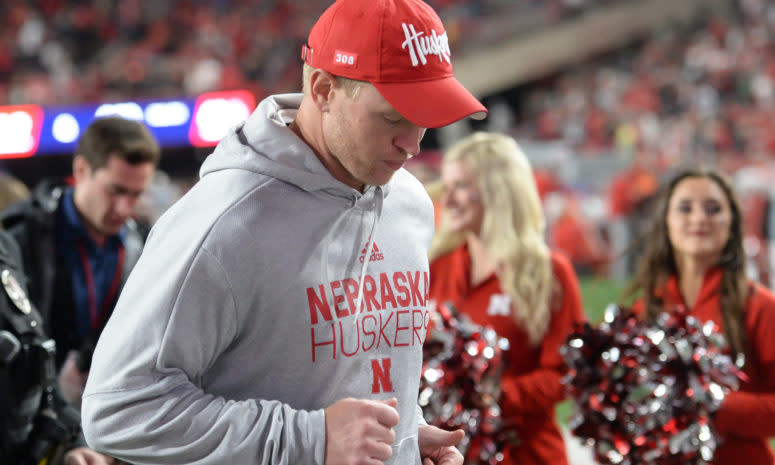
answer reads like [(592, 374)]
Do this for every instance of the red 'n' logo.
[(381, 374)]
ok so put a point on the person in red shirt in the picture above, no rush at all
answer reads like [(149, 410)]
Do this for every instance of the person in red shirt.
[(695, 260), (490, 260), (577, 238)]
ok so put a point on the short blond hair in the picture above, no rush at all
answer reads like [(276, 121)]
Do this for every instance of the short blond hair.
[(351, 86)]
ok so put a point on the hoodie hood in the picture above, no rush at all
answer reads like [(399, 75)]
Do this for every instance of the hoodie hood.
[(264, 144)]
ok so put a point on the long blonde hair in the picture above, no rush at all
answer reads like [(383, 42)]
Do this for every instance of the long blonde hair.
[(512, 227)]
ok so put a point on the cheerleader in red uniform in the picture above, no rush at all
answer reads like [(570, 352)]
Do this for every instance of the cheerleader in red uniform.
[(490, 259), (694, 259)]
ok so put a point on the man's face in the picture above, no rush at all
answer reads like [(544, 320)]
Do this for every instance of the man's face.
[(106, 197), (368, 139)]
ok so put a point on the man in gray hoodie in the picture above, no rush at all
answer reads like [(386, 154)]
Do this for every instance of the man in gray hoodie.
[(278, 311)]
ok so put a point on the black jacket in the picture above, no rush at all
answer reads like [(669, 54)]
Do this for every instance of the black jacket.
[(35, 421), (32, 223)]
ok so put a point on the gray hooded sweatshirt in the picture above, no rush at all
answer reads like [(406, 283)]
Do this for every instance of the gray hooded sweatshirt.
[(267, 293)]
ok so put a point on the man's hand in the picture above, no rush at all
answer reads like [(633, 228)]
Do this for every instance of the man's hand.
[(86, 456), (437, 447), (72, 381), (360, 432)]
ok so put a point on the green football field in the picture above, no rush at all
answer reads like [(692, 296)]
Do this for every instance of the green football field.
[(597, 293)]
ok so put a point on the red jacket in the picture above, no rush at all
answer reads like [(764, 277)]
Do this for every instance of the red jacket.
[(531, 382), (746, 418)]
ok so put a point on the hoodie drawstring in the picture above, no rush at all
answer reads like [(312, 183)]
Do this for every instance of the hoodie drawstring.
[(378, 195)]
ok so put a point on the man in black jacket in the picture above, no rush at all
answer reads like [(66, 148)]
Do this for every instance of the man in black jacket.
[(80, 243)]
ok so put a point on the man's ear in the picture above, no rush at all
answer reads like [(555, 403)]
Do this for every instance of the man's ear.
[(81, 168), (322, 85)]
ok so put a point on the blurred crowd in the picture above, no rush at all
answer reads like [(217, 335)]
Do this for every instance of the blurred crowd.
[(71, 51), (696, 94)]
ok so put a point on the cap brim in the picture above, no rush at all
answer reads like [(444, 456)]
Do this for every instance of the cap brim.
[(432, 104)]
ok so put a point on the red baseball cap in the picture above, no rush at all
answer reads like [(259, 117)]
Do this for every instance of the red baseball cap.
[(401, 48)]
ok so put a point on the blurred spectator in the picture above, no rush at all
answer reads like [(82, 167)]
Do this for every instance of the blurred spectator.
[(425, 167), (753, 184), (12, 190), (629, 195), (574, 235), (547, 182), (79, 243), (632, 188)]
